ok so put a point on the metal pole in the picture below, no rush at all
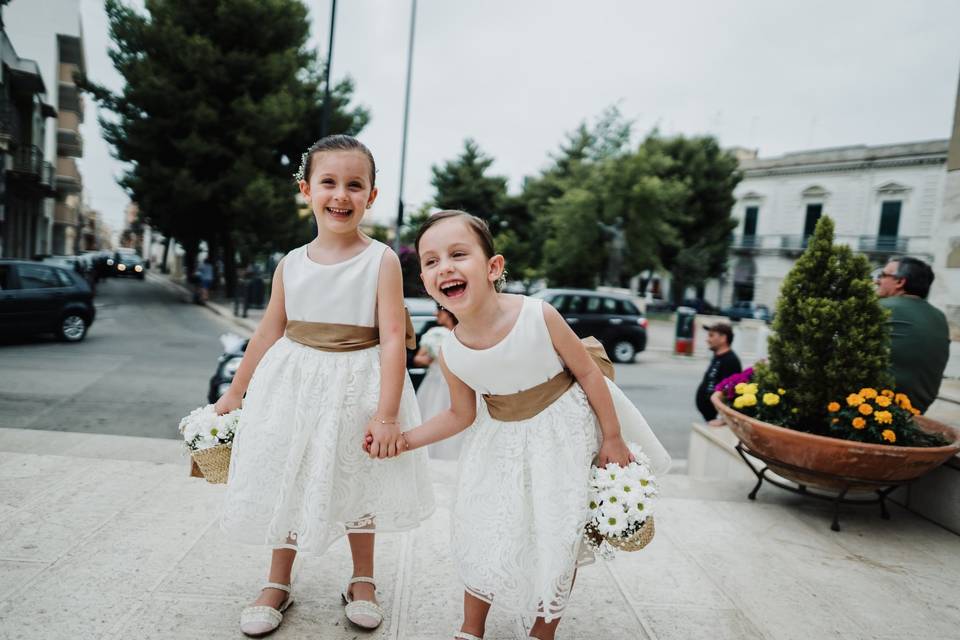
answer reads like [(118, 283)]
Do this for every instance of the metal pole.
[(325, 122), (406, 118)]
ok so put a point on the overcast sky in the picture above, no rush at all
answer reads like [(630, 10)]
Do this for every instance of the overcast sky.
[(515, 75)]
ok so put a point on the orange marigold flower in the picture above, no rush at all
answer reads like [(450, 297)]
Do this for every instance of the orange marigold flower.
[(900, 398), (868, 392), (859, 423), (883, 417), (883, 401), (915, 412), (865, 409), (887, 392), (854, 400), (889, 435), (833, 407)]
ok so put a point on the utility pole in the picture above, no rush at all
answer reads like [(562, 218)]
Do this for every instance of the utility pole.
[(325, 122), (406, 118)]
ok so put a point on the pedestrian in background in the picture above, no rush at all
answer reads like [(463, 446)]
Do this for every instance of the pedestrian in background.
[(919, 334), (433, 394), (205, 274), (724, 363), (325, 366)]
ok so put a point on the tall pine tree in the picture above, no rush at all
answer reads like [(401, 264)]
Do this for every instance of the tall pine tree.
[(221, 97)]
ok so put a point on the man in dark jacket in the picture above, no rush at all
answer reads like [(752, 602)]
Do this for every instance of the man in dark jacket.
[(724, 364)]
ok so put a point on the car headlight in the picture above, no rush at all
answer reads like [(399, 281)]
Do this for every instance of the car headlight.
[(121, 267), (109, 262), (138, 268), (230, 367)]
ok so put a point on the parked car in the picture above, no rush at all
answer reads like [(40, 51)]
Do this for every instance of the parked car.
[(422, 313), (44, 298), (82, 264), (611, 318), (701, 306), (129, 264), (748, 309)]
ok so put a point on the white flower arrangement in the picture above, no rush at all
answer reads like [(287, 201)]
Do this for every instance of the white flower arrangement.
[(621, 499), (203, 428)]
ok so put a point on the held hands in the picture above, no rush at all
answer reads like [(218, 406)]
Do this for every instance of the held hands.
[(383, 439), (228, 402), (614, 449)]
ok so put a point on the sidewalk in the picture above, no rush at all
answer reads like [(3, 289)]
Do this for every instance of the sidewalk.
[(107, 537)]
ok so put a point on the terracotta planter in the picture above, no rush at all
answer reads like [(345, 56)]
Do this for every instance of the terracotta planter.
[(848, 460)]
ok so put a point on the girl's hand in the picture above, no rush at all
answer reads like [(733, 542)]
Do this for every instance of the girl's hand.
[(368, 440), (228, 402), (614, 449), (386, 439)]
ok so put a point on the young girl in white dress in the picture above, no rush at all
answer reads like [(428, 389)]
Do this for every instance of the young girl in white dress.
[(433, 394), (521, 502), (325, 366)]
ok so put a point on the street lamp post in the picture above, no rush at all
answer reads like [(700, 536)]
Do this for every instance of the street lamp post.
[(325, 121), (406, 118)]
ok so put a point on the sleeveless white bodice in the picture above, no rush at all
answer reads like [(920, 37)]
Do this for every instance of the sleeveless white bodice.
[(341, 293), (523, 359)]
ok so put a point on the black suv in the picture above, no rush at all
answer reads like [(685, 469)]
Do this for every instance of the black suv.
[(43, 298), (611, 318)]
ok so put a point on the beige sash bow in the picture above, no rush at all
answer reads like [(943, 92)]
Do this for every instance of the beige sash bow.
[(330, 336), (525, 404)]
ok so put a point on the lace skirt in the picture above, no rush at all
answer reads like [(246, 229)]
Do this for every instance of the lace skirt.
[(433, 395), (522, 503), (298, 469)]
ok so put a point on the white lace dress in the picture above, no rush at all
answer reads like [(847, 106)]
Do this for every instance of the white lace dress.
[(521, 500), (298, 469)]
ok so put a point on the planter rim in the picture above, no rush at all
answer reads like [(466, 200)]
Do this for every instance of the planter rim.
[(955, 445)]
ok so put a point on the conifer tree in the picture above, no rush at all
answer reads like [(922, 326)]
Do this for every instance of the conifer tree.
[(829, 337)]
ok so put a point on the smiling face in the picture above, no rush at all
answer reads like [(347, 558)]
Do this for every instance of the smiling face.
[(339, 189), (455, 270)]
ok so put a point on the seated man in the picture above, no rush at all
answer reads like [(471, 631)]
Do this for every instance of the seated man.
[(919, 335)]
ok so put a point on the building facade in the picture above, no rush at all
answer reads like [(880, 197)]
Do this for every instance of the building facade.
[(50, 33), (26, 170), (885, 200), (945, 293)]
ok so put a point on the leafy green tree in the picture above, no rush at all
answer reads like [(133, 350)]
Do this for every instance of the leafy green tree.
[(704, 223), (829, 337), (463, 183), (220, 99)]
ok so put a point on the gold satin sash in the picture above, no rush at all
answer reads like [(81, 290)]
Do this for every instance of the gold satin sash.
[(513, 407), (330, 336)]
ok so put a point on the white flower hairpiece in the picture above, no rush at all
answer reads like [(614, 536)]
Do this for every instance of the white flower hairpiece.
[(302, 170)]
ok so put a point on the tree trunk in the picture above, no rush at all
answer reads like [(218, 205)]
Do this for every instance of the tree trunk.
[(166, 254)]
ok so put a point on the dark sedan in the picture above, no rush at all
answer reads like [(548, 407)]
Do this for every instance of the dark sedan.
[(42, 298), (611, 318), (129, 264)]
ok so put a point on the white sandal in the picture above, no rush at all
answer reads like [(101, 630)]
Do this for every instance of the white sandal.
[(259, 620), (463, 635), (362, 613)]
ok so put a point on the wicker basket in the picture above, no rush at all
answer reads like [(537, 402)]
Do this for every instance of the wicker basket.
[(637, 541), (214, 462)]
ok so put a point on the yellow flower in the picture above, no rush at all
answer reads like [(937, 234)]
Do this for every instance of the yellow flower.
[(854, 400), (749, 399), (835, 421), (771, 399), (741, 387), (781, 391), (859, 423), (752, 388), (833, 407), (902, 400), (883, 417), (868, 393), (865, 409), (889, 435), (883, 401), (887, 392), (915, 412), (794, 410), (738, 402)]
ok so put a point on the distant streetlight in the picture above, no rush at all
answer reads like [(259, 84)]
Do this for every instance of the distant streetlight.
[(325, 121), (406, 118)]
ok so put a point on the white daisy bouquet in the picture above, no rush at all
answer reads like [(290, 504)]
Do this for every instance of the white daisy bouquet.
[(621, 505), (208, 437)]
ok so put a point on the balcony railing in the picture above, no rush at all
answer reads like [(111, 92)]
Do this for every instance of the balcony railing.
[(68, 177), (69, 143), (793, 243), (747, 242), (27, 160), (882, 244)]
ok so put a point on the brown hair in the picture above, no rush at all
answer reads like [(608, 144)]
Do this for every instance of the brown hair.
[(477, 225), (337, 142)]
